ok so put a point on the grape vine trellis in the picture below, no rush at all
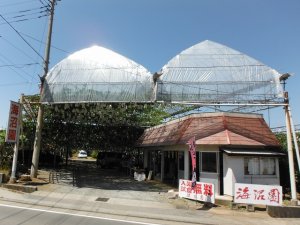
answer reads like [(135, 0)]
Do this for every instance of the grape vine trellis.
[(101, 126)]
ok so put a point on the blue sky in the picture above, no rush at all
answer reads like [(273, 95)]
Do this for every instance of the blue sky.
[(150, 33)]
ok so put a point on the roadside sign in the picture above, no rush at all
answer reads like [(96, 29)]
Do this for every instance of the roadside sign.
[(204, 192), (258, 194), (12, 133)]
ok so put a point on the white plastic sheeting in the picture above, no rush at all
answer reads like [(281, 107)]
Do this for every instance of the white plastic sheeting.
[(97, 74), (211, 72), (207, 72)]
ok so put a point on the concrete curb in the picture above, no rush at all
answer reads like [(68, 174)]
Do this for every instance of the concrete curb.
[(22, 188), (127, 213), (284, 211)]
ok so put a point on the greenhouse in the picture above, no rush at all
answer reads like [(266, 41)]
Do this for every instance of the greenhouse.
[(97, 74), (207, 72), (211, 72)]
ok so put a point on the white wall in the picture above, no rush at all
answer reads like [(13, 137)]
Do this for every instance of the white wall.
[(231, 164), (212, 178), (234, 173)]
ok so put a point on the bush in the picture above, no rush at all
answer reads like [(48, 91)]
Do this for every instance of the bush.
[(94, 154)]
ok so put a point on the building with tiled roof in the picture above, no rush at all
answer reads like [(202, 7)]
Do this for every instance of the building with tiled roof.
[(230, 148)]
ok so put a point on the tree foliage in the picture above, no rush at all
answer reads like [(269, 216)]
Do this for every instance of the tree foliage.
[(6, 152), (284, 164)]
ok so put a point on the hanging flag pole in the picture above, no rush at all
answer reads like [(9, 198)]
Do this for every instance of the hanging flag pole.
[(192, 150)]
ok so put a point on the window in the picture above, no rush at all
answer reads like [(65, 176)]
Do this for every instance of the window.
[(259, 166), (208, 162)]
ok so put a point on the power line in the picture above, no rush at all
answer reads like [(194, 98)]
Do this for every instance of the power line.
[(26, 19), (24, 11), (18, 66), (21, 37), (45, 3), (9, 61), (52, 46), (14, 46), (16, 72), (27, 14)]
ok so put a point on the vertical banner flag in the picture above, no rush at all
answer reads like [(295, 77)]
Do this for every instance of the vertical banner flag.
[(192, 150), (12, 133)]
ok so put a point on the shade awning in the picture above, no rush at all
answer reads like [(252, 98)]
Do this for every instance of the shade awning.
[(252, 152)]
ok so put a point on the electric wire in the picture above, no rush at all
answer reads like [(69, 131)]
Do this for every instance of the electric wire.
[(20, 50), (52, 46), (20, 75), (45, 3), (7, 60), (18, 66), (19, 15), (40, 46), (25, 19), (21, 37), (24, 11)]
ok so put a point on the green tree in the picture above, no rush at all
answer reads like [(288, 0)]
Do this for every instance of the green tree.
[(6, 152), (284, 164)]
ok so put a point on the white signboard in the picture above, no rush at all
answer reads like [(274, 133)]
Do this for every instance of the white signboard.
[(258, 194), (201, 191), (12, 133)]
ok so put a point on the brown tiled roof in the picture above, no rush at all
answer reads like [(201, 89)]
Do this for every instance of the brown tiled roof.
[(212, 129)]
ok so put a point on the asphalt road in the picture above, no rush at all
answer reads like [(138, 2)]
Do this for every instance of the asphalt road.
[(13, 215)]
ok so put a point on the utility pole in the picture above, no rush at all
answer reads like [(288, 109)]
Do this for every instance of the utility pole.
[(294, 200), (39, 124)]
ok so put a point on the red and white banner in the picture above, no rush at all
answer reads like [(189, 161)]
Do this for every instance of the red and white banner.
[(204, 192), (13, 127), (192, 150), (258, 194)]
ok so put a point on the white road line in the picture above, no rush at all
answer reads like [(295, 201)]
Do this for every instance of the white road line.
[(72, 214)]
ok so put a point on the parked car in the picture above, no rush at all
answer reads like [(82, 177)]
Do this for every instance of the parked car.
[(82, 154)]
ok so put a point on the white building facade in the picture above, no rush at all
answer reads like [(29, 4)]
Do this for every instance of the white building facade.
[(226, 154)]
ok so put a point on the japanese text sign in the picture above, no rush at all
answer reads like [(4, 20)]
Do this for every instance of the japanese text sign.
[(201, 191), (12, 132), (258, 194)]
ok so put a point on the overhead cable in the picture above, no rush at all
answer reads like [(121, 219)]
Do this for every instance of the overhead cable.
[(52, 46), (26, 19), (24, 11), (11, 62), (19, 65), (20, 50), (21, 37)]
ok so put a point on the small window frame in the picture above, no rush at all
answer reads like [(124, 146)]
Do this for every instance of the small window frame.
[(212, 171), (260, 168)]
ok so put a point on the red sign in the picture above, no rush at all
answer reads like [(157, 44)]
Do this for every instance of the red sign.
[(12, 133)]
